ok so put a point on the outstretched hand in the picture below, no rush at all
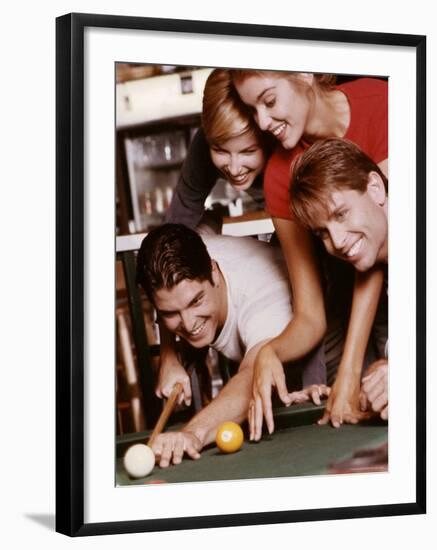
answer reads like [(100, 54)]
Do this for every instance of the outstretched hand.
[(343, 405), (313, 393), (268, 374)]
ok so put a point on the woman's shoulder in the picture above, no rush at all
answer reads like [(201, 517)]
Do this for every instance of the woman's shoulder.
[(198, 165), (368, 128), (365, 86), (199, 141)]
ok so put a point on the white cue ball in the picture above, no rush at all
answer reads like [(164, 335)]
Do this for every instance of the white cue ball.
[(139, 460)]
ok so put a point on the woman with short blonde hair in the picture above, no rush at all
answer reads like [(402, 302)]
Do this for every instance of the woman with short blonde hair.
[(229, 144)]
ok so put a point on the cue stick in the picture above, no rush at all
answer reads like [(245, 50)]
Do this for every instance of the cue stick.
[(166, 412)]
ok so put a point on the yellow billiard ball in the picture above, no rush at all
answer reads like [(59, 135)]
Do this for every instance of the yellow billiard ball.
[(229, 437)]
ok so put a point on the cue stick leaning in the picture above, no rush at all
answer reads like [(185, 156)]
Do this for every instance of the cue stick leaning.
[(166, 412)]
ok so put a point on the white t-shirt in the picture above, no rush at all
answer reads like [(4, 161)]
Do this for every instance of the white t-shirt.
[(259, 297)]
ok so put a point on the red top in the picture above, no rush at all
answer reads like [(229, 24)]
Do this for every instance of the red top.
[(368, 128)]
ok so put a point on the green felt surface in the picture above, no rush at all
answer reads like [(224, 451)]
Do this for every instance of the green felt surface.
[(297, 447)]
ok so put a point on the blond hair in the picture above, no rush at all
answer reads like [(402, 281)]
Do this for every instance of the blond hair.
[(324, 81), (224, 115)]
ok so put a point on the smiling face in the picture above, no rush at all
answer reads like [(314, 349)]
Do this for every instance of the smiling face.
[(281, 105), (240, 159), (355, 229), (194, 310)]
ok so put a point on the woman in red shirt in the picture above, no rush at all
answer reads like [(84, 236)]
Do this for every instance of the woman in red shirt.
[(297, 109)]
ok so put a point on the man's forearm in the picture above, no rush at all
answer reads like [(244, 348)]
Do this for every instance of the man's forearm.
[(232, 403)]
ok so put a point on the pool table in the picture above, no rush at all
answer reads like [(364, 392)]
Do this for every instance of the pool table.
[(297, 447)]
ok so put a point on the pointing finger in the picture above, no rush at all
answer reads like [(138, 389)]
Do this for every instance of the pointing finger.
[(315, 395), (258, 413)]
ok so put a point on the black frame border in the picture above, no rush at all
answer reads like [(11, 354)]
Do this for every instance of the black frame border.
[(70, 276)]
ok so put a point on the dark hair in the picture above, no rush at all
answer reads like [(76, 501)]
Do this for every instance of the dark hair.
[(169, 254), (329, 164)]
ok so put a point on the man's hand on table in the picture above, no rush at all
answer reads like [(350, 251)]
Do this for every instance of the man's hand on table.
[(170, 447)]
